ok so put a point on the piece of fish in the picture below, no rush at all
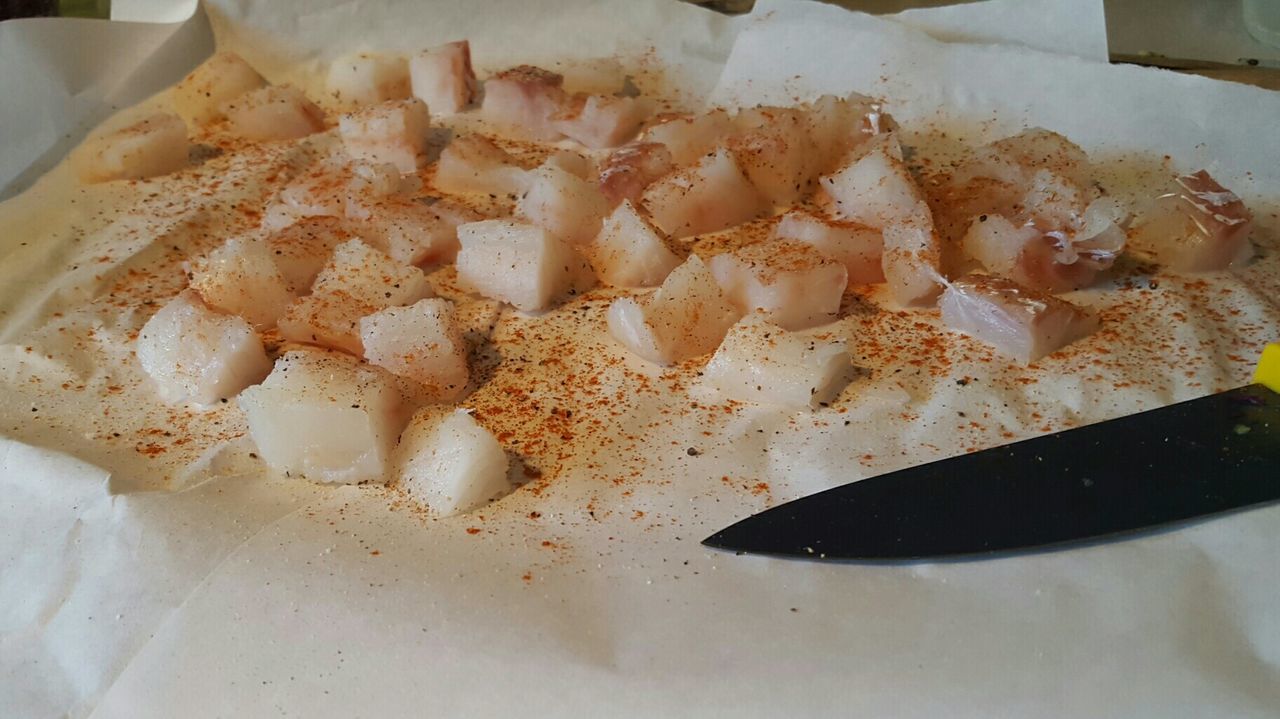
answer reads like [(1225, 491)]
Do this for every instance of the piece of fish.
[(240, 277), (761, 362), (712, 194), (358, 280), (629, 251), (1198, 226), (601, 121), (630, 169), (392, 132), (519, 263), (686, 316), (442, 77), (421, 342), (790, 284), (201, 96), (566, 205), (194, 354), (275, 112), (327, 417), (854, 245), (525, 99), (449, 462), (473, 163), (1018, 321), (367, 78), (154, 145)]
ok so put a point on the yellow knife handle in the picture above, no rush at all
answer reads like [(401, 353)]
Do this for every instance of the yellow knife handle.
[(1268, 372)]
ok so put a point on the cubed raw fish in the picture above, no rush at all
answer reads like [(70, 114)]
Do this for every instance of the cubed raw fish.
[(442, 77), (689, 137), (394, 132), (790, 283), (775, 149), (686, 316), (912, 259), (472, 163), (422, 342), (302, 249), (414, 232), (630, 251), (1054, 261), (600, 121), (197, 355), (630, 169), (358, 280), (1018, 321), (710, 195), (275, 112), (840, 124), (1038, 148), (856, 246), (327, 417), (518, 263), (450, 463), (200, 97), (155, 145), (240, 277), (566, 205), (876, 189), (367, 78), (1199, 226), (761, 362), (525, 99)]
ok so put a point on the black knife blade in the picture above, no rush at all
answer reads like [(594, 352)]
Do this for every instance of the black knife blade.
[(1187, 460)]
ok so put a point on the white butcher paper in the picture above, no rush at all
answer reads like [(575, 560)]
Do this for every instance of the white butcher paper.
[(197, 587)]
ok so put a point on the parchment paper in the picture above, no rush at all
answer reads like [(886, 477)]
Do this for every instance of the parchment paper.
[(243, 595)]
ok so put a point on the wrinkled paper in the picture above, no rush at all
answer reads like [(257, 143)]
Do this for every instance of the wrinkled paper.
[(243, 594)]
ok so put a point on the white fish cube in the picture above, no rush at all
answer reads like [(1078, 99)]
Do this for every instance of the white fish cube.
[(327, 417), (689, 138), (156, 145), (412, 232), (876, 189), (1018, 321), (422, 342), (566, 205), (1200, 226), (194, 354), (472, 163), (357, 281), (776, 152), (275, 112), (710, 195), (840, 124), (912, 259), (630, 251), (367, 78), (625, 173), (442, 77), (761, 362), (686, 316), (856, 246), (518, 263), (525, 99), (600, 121), (200, 97), (393, 132), (790, 283), (241, 278), (450, 463)]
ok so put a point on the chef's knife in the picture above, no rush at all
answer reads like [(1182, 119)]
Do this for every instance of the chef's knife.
[(1187, 460)]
